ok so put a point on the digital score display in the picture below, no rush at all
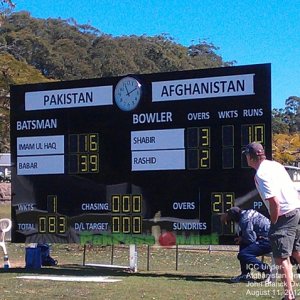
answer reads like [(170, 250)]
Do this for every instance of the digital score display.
[(136, 159), (126, 213), (83, 153), (51, 223)]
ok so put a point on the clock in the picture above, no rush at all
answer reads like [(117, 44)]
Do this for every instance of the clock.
[(128, 93)]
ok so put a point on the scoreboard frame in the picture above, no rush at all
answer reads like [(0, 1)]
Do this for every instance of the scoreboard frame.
[(159, 166)]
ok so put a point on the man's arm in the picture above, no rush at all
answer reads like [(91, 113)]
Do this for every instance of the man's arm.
[(274, 209)]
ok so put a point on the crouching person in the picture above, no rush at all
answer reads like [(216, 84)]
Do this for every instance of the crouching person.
[(252, 239)]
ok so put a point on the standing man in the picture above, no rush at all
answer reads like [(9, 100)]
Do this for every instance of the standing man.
[(253, 241), (281, 198)]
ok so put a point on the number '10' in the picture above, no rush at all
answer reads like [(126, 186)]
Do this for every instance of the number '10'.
[(253, 133)]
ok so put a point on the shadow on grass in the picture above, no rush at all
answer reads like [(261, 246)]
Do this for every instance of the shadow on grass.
[(79, 270), (206, 278), (71, 270)]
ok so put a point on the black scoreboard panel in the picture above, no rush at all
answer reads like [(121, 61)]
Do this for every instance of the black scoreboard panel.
[(91, 164)]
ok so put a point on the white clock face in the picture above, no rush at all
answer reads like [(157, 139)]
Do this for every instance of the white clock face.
[(128, 93)]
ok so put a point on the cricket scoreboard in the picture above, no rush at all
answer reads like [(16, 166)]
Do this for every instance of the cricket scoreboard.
[(137, 159)]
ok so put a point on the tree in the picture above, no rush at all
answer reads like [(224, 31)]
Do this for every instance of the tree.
[(279, 124), (292, 113), (206, 53), (286, 148), (12, 71), (287, 120), (6, 5), (286, 127), (64, 50)]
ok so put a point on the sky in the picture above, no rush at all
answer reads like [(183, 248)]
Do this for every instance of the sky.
[(245, 31)]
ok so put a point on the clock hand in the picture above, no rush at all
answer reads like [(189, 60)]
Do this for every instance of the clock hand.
[(131, 92), (127, 94)]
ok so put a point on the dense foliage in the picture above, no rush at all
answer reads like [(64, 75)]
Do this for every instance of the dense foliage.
[(12, 71), (64, 50), (286, 132), (38, 50), (286, 148), (32, 50), (287, 120)]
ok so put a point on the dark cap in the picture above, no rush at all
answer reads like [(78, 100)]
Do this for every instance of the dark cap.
[(254, 149), (234, 213)]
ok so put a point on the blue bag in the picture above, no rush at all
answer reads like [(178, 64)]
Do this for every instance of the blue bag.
[(33, 258)]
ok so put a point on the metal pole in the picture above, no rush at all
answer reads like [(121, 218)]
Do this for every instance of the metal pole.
[(176, 257), (84, 248), (112, 255), (148, 257)]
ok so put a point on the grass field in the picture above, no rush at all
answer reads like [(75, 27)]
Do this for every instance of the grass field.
[(199, 274)]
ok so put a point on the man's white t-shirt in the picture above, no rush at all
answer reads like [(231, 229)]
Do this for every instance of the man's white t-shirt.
[(272, 180)]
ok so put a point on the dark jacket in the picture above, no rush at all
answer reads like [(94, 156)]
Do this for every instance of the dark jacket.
[(253, 226)]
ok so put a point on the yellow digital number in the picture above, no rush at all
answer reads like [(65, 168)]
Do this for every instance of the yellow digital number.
[(250, 134), (126, 204), (125, 207), (83, 163), (204, 158), (222, 201), (137, 204), (136, 224), (217, 203), (42, 225), (259, 133), (52, 224), (61, 224), (93, 163), (115, 224), (253, 133), (205, 140), (115, 204), (86, 147), (86, 143), (228, 201), (88, 163), (93, 142), (126, 225)]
